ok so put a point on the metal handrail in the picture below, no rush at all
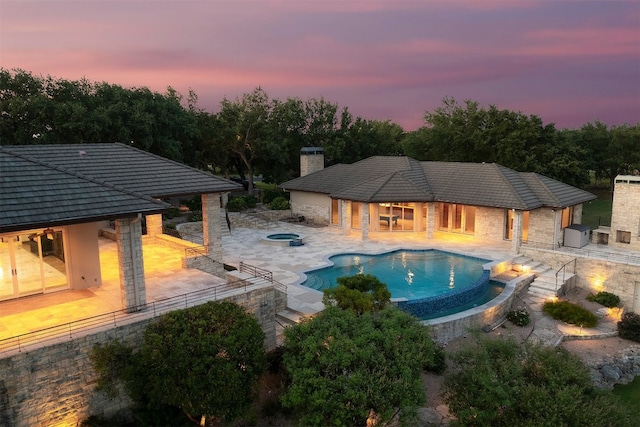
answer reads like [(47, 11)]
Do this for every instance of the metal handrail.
[(563, 268), (67, 331)]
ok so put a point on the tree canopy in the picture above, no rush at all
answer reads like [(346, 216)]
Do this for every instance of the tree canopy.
[(205, 360), (498, 383), (361, 293), (345, 369)]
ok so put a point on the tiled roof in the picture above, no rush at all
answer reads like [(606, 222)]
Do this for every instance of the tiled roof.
[(35, 195), (127, 167), (45, 185), (402, 179)]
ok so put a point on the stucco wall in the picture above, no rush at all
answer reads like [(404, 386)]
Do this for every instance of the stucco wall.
[(314, 206), (83, 256), (55, 385)]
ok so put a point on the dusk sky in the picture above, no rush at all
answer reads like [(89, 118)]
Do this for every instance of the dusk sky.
[(568, 62)]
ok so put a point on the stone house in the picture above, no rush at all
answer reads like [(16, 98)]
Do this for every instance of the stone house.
[(56, 198), (400, 194)]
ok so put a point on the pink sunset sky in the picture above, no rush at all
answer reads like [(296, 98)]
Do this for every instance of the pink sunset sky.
[(568, 62)]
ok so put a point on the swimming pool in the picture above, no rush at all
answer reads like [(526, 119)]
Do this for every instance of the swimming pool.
[(422, 282)]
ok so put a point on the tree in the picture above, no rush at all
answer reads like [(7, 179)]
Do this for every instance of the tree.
[(346, 369), (471, 133), (362, 293), (205, 360), (498, 383)]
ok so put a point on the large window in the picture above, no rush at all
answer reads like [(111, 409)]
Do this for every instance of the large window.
[(567, 217), (396, 216), (509, 225), (355, 215), (335, 211), (457, 218)]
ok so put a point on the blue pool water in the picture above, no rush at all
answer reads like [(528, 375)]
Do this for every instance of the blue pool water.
[(432, 282)]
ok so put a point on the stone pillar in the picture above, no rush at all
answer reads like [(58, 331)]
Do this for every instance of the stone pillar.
[(364, 220), (131, 264), (154, 224), (346, 216), (431, 219), (516, 240), (211, 229)]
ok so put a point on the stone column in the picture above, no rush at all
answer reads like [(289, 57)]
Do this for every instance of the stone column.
[(130, 262), (364, 220), (346, 216), (154, 224), (431, 219), (516, 240), (211, 229)]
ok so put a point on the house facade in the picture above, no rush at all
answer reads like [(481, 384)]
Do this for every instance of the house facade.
[(400, 194), (56, 198)]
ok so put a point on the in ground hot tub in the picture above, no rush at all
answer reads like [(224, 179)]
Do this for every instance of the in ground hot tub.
[(284, 239)]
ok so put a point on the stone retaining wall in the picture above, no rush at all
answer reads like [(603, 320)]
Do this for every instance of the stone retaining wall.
[(593, 274), (55, 385), (620, 369)]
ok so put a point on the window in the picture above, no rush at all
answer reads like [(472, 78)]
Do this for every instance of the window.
[(335, 211), (567, 217), (355, 215)]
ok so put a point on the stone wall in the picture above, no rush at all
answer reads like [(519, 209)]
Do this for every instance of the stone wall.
[(593, 274), (316, 207), (490, 223), (625, 217), (55, 385), (622, 368)]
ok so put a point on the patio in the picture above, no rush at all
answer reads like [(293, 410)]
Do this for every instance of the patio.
[(164, 276)]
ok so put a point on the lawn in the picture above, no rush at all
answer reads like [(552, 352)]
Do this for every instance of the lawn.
[(629, 394), (597, 212)]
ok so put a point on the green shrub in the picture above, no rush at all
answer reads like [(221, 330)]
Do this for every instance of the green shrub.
[(270, 194), (439, 362), (605, 298), (194, 204), (250, 201), (236, 204), (570, 313), (519, 317), (195, 216), (174, 212), (629, 326), (279, 204)]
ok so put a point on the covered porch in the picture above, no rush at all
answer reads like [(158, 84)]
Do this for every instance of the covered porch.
[(164, 276)]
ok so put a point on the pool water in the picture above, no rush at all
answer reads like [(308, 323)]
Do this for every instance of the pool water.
[(429, 283), (409, 274), (283, 236)]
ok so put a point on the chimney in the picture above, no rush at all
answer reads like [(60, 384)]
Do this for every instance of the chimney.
[(311, 160)]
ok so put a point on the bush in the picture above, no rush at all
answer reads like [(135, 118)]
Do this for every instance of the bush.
[(279, 204), (236, 204), (629, 326), (195, 216), (519, 317), (570, 313), (605, 298), (270, 194), (250, 201), (174, 212), (439, 362)]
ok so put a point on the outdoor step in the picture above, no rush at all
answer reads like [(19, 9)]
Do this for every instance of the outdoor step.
[(545, 286), (543, 294), (289, 317)]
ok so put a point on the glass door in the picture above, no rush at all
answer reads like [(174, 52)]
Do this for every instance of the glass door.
[(31, 263)]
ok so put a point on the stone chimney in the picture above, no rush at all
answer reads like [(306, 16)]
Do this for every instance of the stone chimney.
[(311, 160)]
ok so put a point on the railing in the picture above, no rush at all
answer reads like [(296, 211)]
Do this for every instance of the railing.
[(71, 330), (563, 269), (261, 273)]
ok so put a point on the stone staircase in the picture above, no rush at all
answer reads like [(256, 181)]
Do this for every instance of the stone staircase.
[(284, 318), (544, 285)]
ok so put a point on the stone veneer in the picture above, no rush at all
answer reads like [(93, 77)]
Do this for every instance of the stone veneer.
[(625, 215), (55, 385), (129, 241), (594, 274)]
